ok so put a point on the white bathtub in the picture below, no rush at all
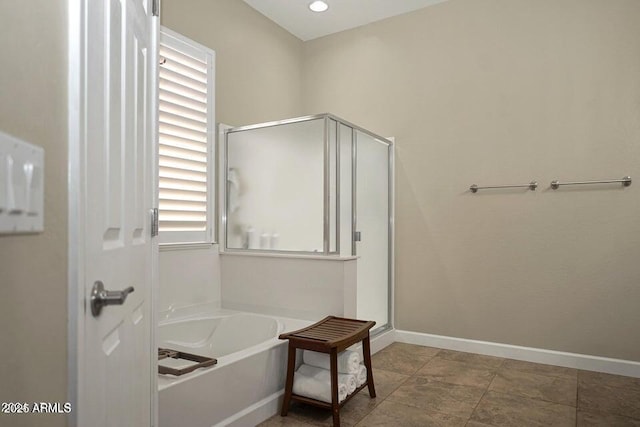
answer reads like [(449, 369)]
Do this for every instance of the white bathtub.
[(219, 336), (247, 378)]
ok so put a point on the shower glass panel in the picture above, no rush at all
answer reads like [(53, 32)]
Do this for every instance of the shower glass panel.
[(276, 187), (310, 185), (333, 162), (372, 222)]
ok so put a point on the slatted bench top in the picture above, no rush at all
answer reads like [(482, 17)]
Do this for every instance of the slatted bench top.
[(330, 332)]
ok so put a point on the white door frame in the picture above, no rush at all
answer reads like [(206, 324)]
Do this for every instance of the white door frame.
[(76, 276)]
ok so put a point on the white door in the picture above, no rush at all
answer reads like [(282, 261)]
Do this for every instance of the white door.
[(116, 191)]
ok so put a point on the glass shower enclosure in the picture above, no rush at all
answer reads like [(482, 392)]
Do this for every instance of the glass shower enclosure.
[(315, 185)]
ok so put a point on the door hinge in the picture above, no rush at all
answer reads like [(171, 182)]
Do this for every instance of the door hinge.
[(154, 222), (357, 236), (155, 7)]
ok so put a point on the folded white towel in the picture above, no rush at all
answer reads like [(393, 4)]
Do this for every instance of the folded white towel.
[(361, 376), (316, 389), (325, 375), (348, 361)]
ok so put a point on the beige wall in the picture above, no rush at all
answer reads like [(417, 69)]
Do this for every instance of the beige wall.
[(498, 92), (33, 268), (258, 64)]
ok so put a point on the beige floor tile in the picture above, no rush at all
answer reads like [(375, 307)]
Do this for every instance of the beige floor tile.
[(386, 382), (389, 414), (609, 400), (537, 368), (472, 423), (451, 399), (278, 421), (601, 379), (478, 360), (350, 414), (402, 358), (310, 415), (358, 408), (551, 389), (589, 419), (503, 410), (454, 372)]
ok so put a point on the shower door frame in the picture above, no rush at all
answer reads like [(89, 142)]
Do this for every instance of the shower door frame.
[(327, 253), (389, 142)]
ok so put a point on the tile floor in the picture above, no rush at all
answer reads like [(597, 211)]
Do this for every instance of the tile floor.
[(423, 386)]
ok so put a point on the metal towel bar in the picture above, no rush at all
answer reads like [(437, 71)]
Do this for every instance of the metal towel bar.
[(626, 181), (531, 186)]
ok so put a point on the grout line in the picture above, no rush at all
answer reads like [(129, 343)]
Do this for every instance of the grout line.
[(501, 363), (483, 394), (423, 365)]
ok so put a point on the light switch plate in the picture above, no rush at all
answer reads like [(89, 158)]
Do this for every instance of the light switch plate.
[(21, 186)]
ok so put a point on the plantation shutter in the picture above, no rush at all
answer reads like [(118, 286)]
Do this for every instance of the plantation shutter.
[(186, 130)]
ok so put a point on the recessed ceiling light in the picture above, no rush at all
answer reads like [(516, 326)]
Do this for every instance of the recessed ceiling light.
[(318, 6)]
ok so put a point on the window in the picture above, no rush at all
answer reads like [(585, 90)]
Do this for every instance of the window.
[(186, 135)]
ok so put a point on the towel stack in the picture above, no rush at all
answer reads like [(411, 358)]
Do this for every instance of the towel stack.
[(313, 378)]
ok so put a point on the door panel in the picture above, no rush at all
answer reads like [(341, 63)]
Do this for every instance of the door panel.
[(372, 221), (115, 377)]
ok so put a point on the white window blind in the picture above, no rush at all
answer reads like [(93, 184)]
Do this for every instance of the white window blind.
[(186, 132)]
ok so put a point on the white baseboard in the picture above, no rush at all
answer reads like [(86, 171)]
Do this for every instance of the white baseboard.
[(550, 357), (383, 340)]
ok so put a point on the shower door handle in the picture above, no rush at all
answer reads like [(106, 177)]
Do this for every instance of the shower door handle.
[(100, 297)]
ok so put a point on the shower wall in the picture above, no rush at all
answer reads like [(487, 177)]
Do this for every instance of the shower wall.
[(299, 287), (276, 188)]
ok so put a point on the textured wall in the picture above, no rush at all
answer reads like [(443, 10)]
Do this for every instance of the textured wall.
[(499, 92), (33, 268)]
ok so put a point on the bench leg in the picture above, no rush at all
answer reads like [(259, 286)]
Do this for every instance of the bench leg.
[(335, 403), (288, 389), (366, 350)]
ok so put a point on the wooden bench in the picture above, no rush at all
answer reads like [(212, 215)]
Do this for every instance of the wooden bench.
[(330, 335)]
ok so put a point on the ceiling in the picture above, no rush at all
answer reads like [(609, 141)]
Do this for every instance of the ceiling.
[(295, 16)]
